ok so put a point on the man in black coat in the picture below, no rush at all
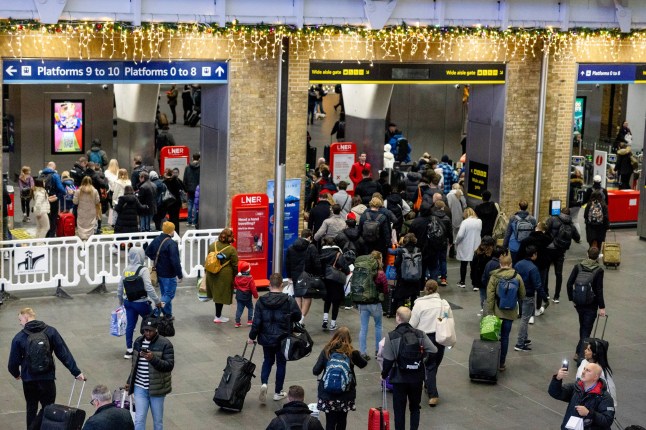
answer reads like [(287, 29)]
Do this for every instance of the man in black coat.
[(147, 196), (191, 181), (295, 413), (487, 212), (366, 187), (319, 213), (107, 415)]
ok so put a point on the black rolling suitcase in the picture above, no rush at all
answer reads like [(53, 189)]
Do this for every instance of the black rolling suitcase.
[(236, 381), (60, 417), (193, 119), (389, 300), (484, 360)]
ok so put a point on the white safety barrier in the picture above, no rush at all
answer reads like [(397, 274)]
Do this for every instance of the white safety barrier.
[(64, 262)]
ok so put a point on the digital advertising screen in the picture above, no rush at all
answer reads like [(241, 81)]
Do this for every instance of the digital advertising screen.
[(67, 126), (579, 114)]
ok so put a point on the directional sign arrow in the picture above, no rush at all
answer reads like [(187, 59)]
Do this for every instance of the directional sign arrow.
[(219, 71), (11, 70)]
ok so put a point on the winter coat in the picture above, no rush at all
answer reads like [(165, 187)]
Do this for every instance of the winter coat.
[(56, 183), (405, 288), (384, 230), (147, 196), (137, 259), (510, 239), (168, 264), (295, 413), (302, 256), (343, 199), (356, 174), (575, 185), (329, 255), (134, 176), (319, 213), (100, 153), (245, 284), (77, 172), (349, 239), (86, 221), (412, 182), (41, 204), (118, 189), (389, 158), (174, 185), (623, 165), (597, 283), (553, 225), (487, 212), (540, 241), (219, 286), (493, 264), (330, 227), (596, 231), (358, 210), (492, 294), (19, 361), (159, 368), (468, 238), (426, 311), (192, 177), (597, 401), (273, 317), (128, 209), (109, 417), (477, 266), (319, 370), (595, 187), (457, 206), (531, 278), (366, 188)]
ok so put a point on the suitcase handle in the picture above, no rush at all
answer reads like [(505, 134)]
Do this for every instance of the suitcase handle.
[(596, 324), (69, 402), (244, 351)]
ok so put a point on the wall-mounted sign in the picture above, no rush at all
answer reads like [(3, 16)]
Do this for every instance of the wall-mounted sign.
[(250, 221), (407, 73), (114, 72), (342, 157), (599, 165), (290, 217), (27, 261), (67, 126), (477, 179), (612, 74)]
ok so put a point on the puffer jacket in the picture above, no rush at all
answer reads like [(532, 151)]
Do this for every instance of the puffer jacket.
[(128, 209), (553, 225), (273, 317), (623, 165), (349, 239), (426, 310), (597, 400), (192, 177), (492, 295), (412, 182), (137, 259), (330, 227), (168, 264), (110, 417), (302, 256), (329, 255), (295, 413), (159, 368)]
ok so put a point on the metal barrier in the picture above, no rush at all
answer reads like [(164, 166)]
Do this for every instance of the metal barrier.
[(63, 262)]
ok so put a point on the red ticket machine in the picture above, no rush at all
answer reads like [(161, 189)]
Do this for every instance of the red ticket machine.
[(172, 157), (342, 157), (250, 223)]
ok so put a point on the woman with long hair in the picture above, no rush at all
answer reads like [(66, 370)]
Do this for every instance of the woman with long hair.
[(111, 174), (595, 352), (335, 402), (26, 189), (219, 286), (118, 188), (332, 259), (41, 208), (88, 203), (128, 209), (467, 241)]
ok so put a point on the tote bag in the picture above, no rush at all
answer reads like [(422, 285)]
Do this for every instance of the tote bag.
[(445, 329)]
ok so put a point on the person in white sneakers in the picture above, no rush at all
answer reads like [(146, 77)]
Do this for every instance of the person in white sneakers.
[(270, 326)]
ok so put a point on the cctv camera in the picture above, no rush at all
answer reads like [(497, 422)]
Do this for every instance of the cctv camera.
[(597, 86), (105, 87), (457, 86)]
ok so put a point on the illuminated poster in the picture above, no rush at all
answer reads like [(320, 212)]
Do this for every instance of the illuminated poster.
[(290, 216), (252, 225), (579, 114), (67, 126), (477, 179)]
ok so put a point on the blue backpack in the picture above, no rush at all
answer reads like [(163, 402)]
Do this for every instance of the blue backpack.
[(507, 292), (95, 157), (338, 374)]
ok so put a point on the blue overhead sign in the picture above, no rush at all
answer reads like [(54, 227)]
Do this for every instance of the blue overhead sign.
[(607, 73), (113, 72)]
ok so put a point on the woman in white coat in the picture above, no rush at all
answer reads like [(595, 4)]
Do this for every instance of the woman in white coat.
[(467, 241), (41, 208)]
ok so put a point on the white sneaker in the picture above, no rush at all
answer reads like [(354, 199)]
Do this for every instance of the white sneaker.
[(280, 396), (600, 255), (531, 320), (263, 393), (539, 312), (476, 289), (220, 320)]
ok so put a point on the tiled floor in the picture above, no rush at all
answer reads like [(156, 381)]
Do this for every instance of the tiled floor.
[(518, 401)]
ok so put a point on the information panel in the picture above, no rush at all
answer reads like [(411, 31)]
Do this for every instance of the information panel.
[(175, 157), (477, 179), (290, 218), (342, 155), (114, 72), (407, 73), (250, 220)]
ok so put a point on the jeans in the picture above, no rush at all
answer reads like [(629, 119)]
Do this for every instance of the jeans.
[(241, 304), (134, 310), (167, 288), (544, 275), (432, 363), (528, 308), (557, 257), (43, 392), (144, 400), (504, 339), (442, 262), (192, 209), (411, 392), (144, 222), (273, 354), (365, 312), (587, 316)]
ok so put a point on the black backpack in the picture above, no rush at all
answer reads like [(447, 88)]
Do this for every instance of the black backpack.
[(402, 149), (583, 293), (563, 238), (133, 286), (395, 206), (289, 424), (410, 354), (48, 183), (39, 352), (435, 234), (371, 227)]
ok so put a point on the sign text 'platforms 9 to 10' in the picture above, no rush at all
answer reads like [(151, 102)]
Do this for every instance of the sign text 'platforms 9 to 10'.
[(114, 72)]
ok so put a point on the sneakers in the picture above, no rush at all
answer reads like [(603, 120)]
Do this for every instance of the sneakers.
[(249, 322), (238, 325), (476, 289), (263, 393), (539, 312), (219, 320), (528, 341), (332, 327), (347, 308), (324, 325), (443, 282), (480, 313), (432, 402), (365, 357), (531, 320), (524, 347), (555, 300), (128, 354), (461, 285), (279, 396)]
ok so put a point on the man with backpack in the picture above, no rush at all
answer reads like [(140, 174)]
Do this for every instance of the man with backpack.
[(55, 192), (97, 155), (374, 228), (562, 230), (31, 361), (585, 290), (521, 224), (367, 187), (405, 350), (295, 414)]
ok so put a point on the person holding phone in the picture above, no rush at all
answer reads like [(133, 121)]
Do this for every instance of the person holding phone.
[(588, 398), (150, 378)]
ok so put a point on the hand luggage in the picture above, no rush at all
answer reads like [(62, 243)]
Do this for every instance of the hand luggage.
[(60, 417), (484, 360), (66, 224), (194, 119), (389, 300), (298, 344), (236, 381), (594, 337), (611, 253), (379, 418)]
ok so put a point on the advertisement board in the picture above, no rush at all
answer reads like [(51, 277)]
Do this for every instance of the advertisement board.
[(67, 126), (175, 157), (290, 218), (477, 179), (250, 222), (342, 157)]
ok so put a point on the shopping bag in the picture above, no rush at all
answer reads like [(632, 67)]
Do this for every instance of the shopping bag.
[(118, 321), (201, 290), (445, 330), (490, 327)]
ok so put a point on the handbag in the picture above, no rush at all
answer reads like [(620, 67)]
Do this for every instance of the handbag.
[(201, 290), (154, 279), (297, 344), (167, 198), (333, 274), (309, 286), (118, 321), (445, 328), (165, 326), (490, 327)]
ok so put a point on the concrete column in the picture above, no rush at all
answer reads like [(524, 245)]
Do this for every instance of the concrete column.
[(636, 115), (136, 106), (366, 107)]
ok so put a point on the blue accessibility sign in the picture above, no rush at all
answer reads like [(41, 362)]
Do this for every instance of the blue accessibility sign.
[(606, 73), (114, 72)]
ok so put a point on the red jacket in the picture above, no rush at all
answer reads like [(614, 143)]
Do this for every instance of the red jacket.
[(355, 172), (245, 283)]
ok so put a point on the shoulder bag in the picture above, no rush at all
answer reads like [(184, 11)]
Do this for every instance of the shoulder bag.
[(334, 274), (445, 328), (154, 279)]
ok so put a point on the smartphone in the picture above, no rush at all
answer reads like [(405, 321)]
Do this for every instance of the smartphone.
[(144, 350), (565, 365)]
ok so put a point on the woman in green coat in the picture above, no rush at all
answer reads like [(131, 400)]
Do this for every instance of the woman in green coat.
[(219, 286)]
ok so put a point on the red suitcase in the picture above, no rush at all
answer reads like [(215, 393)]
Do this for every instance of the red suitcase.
[(379, 418), (66, 224)]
